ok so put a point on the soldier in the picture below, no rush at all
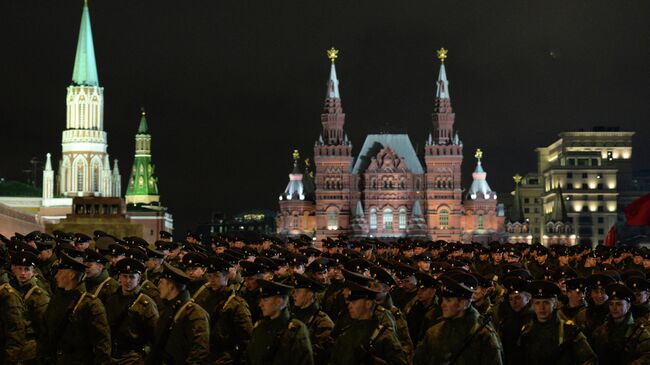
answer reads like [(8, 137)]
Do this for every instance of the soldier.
[(513, 314), (35, 299), (307, 310), (12, 322), (152, 275), (230, 319), (366, 340), (596, 312), (463, 336), (182, 334), (481, 298), (277, 338), (251, 272), (423, 311), (196, 265), (132, 315), (75, 327), (640, 305), (549, 339), (98, 282), (620, 340), (576, 298)]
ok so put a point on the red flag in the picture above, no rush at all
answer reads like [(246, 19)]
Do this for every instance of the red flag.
[(610, 240), (638, 212)]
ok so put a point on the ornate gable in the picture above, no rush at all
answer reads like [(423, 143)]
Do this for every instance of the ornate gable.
[(387, 160)]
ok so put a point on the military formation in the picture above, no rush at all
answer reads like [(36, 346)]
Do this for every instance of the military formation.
[(69, 298)]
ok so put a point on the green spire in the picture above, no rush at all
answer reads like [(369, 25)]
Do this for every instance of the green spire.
[(143, 128), (85, 68)]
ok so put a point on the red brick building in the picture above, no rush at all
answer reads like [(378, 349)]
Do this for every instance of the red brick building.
[(387, 190)]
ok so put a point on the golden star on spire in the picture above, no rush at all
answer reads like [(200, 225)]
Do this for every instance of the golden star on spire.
[(517, 178), (442, 54), (332, 54), (296, 157), (478, 154)]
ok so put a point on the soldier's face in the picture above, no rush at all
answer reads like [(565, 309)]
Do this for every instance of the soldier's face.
[(426, 295), (218, 280), (575, 297), (153, 263), (541, 259), (167, 289), (93, 269), (250, 282), (599, 296), (302, 297), (640, 297), (195, 273), (271, 306), (22, 273), (618, 308), (65, 278), (453, 307), (424, 265), (543, 308), (360, 308), (129, 282), (518, 301), (479, 294)]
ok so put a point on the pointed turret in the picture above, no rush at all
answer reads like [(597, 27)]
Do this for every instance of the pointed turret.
[(117, 180), (48, 178), (106, 187), (480, 189), (517, 212), (295, 189), (359, 211), (85, 67), (559, 213), (417, 224), (358, 224), (333, 117), (143, 185), (443, 117)]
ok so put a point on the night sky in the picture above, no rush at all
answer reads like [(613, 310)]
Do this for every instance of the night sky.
[(232, 87)]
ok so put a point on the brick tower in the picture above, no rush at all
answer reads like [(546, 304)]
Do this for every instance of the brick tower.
[(333, 160), (443, 156)]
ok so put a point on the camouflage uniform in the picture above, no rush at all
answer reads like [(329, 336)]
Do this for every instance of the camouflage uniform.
[(622, 343), (230, 325), (12, 325), (76, 329), (282, 340), (182, 334), (443, 340), (556, 341), (102, 286), (367, 342), (320, 328), (132, 319)]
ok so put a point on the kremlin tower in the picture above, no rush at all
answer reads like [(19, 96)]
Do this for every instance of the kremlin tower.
[(84, 169), (143, 186), (482, 221)]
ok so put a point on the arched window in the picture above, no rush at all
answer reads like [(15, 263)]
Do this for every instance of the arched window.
[(295, 221), (444, 218), (332, 219), (388, 218), (80, 176), (373, 218), (479, 222), (402, 218), (96, 178)]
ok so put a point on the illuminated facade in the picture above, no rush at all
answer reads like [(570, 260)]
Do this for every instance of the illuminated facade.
[(388, 190), (583, 173)]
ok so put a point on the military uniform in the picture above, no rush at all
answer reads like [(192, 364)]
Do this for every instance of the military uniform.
[(554, 341), (318, 323), (367, 342), (467, 339), (281, 340), (12, 325), (182, 334), (102, 286), (76, 329), (35, 300), (132, 318), (625, 342)]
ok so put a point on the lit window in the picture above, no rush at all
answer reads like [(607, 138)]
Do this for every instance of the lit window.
[(402, 218), (388, 218), (295, 222), (80, 176), (332, 220), (373, 218), (444, 218), (480, 221)]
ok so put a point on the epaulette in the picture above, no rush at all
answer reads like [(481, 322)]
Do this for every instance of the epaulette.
[(396, 312), (9, 288), (381, 309)]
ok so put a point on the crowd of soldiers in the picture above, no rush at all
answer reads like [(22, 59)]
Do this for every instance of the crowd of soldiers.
[(69, 298)]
